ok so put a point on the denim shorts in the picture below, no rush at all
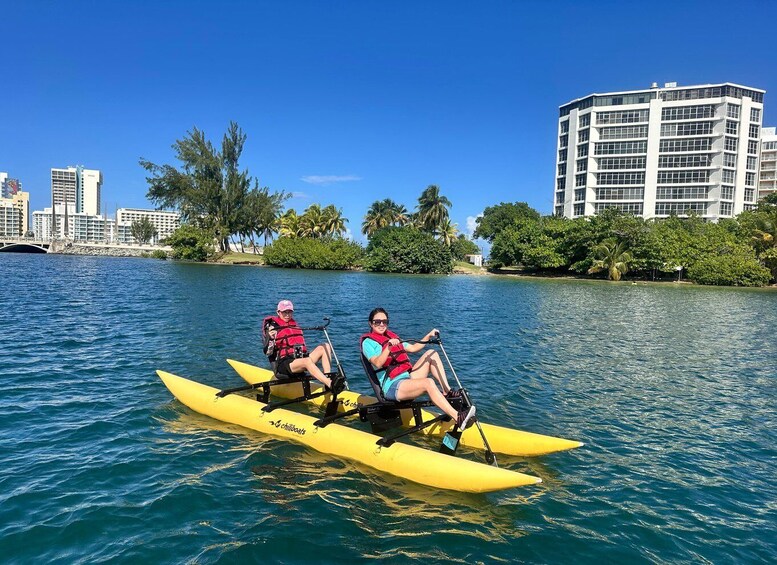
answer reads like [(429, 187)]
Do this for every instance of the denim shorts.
[(391, 393)]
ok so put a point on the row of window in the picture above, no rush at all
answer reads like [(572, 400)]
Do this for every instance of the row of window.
[(620, 178), (667, 161), (683, 177), (627, 207), (688, 112), (711, 92), (620, 148), (622, 117), (690, 128), (681, 192), (610, 163), (623, 132), (676, 145), (680, 208), (620, 193)]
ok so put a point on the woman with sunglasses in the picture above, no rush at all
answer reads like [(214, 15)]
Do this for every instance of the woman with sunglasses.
[(284, 345), (402, 380)]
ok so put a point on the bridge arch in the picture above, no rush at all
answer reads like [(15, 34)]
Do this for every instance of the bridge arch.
[(22, 248)]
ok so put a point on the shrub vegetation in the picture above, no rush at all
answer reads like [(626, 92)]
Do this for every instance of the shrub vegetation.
[(407, 250), (309, 253)]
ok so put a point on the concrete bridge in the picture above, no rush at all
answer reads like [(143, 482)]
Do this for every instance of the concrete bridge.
[(23, 245)]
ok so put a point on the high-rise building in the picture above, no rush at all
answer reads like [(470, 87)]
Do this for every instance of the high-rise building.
[(78, 186), (767, 179), (15, 212), (82, 227), (660, 151)]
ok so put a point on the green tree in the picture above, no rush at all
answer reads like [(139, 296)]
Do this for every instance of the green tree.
[(497, 218), (611, 256), (210, 190), (407, 250), (462, 247), (448, 232), (291, 225), (736, 267), (432, 209), (191, 243), (142, 230), (334, 222), (382, 214), (310, 253)]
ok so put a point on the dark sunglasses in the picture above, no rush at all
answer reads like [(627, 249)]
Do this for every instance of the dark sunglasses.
[(380, 322)]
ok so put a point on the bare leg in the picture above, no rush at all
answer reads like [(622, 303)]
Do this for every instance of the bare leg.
[(412, 388), (431, 362), (324, 354), (307, 364)]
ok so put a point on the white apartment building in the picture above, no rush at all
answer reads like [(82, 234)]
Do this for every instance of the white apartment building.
[(164, 222), (15, 214), (77, 186), (767, 179), (88, 228), (660, 151)]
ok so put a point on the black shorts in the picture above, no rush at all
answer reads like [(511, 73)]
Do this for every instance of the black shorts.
[(282, 368)]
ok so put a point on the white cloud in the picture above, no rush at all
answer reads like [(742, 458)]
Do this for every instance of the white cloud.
[(300, 195), (472, 224), (329, 179)]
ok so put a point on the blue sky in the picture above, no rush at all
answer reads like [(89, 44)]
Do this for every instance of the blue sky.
[(347, 102)]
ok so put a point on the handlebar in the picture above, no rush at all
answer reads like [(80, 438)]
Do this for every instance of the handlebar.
[(319, 328)]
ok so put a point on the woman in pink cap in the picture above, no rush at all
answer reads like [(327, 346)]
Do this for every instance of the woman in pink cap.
[(284, 345)]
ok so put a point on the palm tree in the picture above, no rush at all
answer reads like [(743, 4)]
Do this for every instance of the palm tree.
[(612, 256), (290, 224), (378, 216), (448, 232), (432, 209), (334, 223)]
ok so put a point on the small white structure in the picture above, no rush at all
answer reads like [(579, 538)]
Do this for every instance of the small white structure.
[(476, 260)]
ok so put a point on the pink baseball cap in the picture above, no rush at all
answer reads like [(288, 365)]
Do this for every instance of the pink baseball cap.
[(285, 305)]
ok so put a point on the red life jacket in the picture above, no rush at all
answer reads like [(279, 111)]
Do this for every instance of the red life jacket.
[(289, 340), (398, 362)]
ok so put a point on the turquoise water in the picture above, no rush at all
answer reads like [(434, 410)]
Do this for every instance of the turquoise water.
[(672, 388)]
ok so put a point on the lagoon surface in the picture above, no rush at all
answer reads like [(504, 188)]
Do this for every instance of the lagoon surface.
[(671, 387)]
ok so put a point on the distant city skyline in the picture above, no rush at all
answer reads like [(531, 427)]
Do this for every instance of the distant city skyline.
[(352, 102)]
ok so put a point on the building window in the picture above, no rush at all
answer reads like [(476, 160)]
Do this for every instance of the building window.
[(677, 145), (755, 131), (582, 165), (623, 117), (560, 184), (580, 180), (584, 120), (730, 160), (725, 208), (563, 140), (681, 192), (728, 176), (620, 193), (623, 132), (752, 147), (579, 194), (610, 163), (732, 127), (678, 177), (582, 150), (749, 195), (559, 210), (582, 136), (620, 148), (579, 209), (690, 128), (688, 112), (560, 197), (562, 169), (684, 161), (755, 115), (752, 163), (562, 154), (620, 178), (564, 126), (732, 111), (727, 192), (680, 208), (730, 144), (749, 179), (627, 207)]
